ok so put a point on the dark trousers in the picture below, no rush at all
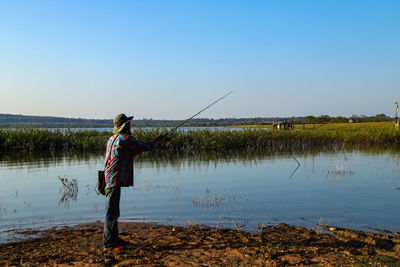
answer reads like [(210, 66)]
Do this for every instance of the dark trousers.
[(110, 235)]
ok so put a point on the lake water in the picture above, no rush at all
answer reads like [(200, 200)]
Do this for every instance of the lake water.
[(360, 190)]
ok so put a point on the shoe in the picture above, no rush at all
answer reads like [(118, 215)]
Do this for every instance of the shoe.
[(115, 249), (118, 248)]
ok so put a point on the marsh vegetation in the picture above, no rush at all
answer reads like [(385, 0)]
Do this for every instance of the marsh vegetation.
[(327, 136)]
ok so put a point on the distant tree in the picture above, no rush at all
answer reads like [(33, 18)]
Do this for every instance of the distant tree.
[(310, 119), (339, 119), (381, 117), (323, 119)]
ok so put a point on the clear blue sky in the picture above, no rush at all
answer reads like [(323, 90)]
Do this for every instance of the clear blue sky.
[(168, 59)]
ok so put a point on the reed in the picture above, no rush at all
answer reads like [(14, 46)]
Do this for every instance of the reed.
[(325, 137), (42, 140)]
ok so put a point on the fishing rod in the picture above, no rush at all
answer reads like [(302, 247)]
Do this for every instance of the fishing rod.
[(180, 124)]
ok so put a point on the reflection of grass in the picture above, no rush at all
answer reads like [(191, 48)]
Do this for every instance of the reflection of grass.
[(220, 223), (96, 206), (157, 160), (3, 210), (69, 190), (191, 223), (261, 226), (212, 201), (238, 226), (28, 203), (340, 169), (319, 226)]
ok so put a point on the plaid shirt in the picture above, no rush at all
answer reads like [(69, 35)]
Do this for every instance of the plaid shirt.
[(118, 170)]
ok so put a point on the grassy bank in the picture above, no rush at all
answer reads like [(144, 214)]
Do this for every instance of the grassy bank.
[(327, 136)]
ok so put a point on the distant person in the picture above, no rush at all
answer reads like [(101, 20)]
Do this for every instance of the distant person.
[(118, 172)]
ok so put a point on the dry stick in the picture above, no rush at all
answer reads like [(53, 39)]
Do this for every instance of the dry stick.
[(295, 159), (298, 164)]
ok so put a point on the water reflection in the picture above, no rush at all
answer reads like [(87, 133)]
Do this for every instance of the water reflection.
[(214, 201), (43, 160), (350, 188), (3, 210), (156, 159), (69, 191)]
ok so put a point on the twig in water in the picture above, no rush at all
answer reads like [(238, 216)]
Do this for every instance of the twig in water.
[(69, 190), (320, 226), (298, 165), (295, 159), (238, 226), (261, 226), (191, 223)]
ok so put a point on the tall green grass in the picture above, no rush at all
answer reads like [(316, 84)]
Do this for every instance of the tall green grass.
[(39, 140), (327, 137)]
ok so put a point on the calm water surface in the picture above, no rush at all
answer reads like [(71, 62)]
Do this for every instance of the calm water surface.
[(350, 189)]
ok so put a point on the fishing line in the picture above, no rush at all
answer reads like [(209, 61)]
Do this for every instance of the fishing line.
[(180, 124)]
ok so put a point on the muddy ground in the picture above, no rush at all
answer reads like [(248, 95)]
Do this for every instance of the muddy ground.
[(158, 245)]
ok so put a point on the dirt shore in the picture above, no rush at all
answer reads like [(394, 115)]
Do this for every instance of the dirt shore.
[(158, 245)]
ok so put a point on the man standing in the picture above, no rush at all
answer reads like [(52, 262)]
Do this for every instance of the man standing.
[(118, 172)]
